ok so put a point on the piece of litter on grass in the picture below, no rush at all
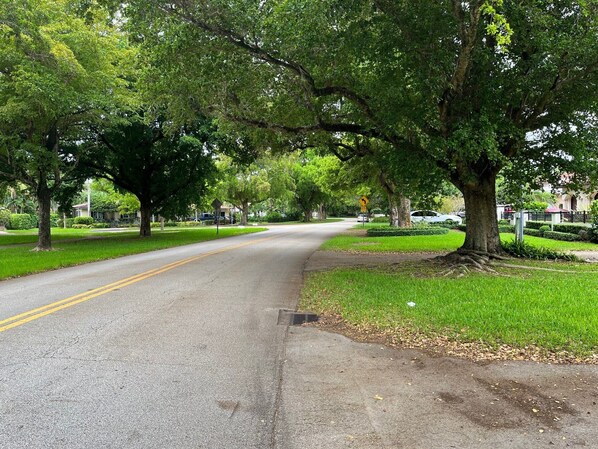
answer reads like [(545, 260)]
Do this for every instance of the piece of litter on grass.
[(378, 397), (411, 304)]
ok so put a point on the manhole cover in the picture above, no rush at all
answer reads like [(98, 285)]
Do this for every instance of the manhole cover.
[(293, 318)]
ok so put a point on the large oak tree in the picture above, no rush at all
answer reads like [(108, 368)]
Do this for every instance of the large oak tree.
[(472, 86)]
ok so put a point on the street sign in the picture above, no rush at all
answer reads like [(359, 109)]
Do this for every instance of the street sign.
[(363, 208), (364, 201), (216, 204)]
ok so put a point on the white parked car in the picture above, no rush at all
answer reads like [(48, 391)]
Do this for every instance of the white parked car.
[(430, 216), (363, 218)]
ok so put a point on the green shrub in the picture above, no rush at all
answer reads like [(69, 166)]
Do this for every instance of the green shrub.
[(380, 220), (462, 227), (69, 223), (544, 229), (388, 232), (4, 217), (81, 226), (525, 250), (274, 217), (99, 225), (449, 224), (21, 221), (187, 224), (84, 221), (533, 232), (554, 235), (571, 228), (585, 234), (54, 220), (534, 224), (503, 222), (506, 228)]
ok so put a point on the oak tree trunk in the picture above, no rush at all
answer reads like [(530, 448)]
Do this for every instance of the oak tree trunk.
[(481, 219), (399, 206), (44, 197), (145, 227), (244, 213)]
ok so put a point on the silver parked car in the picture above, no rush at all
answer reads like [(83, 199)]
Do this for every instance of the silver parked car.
[(430, 216)]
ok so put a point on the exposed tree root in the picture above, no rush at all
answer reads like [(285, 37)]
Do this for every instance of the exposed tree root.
[(461, 262)]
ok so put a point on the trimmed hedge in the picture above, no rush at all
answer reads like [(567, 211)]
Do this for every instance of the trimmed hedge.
[(22, 221), (561, 236), (570, 228), (83, 221), (4, 217), (533, 232), (389, 232), (81, 226), (534, 224), (501, 228)]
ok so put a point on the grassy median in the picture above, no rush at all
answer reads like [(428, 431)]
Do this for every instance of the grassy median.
[(549, 307), (74, 247)]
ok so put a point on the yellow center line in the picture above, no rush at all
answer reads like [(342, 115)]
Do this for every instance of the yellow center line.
[(34, 314)]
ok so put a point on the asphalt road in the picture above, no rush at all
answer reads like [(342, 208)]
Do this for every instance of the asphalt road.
[(177, 348)]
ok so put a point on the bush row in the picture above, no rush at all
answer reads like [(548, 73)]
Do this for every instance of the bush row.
[(571, 228), (554, 235), (387, 232)]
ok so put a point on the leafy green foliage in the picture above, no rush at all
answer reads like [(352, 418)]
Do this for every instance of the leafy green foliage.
[(83, 221), (22, 221), (382, 232), (594, 214), (166, 172), (468, 89), (4, 217), (525, 250), (61, 63)]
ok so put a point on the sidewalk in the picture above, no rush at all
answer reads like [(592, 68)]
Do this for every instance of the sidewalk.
[(337, 393)]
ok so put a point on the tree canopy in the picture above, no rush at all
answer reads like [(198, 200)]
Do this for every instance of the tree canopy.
[(61, 61), (165, 171), (472, 87)]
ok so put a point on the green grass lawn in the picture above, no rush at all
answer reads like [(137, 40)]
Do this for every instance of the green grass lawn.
[(19, 260), (432, 243), (30, 236), (552, 310)]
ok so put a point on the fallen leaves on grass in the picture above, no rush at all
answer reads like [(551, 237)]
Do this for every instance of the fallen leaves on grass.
[(443, 345)]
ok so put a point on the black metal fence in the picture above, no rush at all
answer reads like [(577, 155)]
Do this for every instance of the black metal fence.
[(569, 217)]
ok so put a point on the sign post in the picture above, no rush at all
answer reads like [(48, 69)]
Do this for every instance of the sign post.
[(217, 204), (363, 201)]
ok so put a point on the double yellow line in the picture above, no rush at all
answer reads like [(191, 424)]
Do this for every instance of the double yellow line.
[(34, 314)]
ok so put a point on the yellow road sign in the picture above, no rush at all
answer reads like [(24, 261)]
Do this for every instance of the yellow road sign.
[(363, 201), (364, 209)]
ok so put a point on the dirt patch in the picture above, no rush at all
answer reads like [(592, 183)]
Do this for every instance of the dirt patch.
[(440, 345), (328, 260)]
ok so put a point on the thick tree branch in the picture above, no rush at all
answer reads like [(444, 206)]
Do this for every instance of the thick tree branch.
[(257, 51)]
